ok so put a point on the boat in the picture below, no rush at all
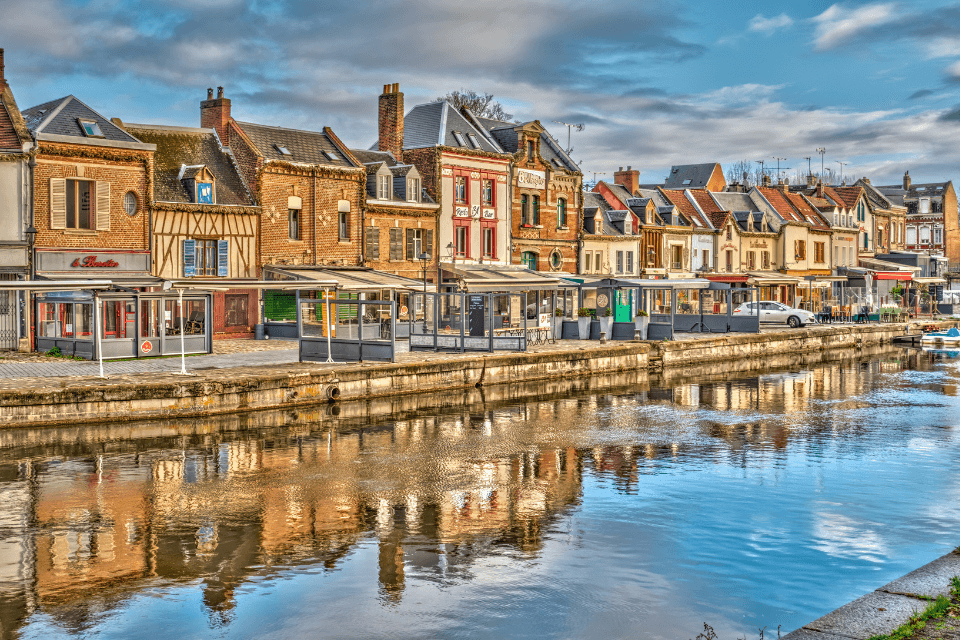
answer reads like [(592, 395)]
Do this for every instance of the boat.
[(950, 338)]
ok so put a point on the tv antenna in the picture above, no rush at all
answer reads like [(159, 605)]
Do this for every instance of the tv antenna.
[(821, 151), (842, 164), (762, 170), (570, 127), (809, 169), (778, 166), (595, 174)]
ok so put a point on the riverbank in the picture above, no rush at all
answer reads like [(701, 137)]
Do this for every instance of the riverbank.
[(43, 401), (892, 606)]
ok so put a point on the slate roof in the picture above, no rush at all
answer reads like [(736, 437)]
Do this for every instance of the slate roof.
[(550, 149), (877, 199), (697, 174), (180, 147), (366, 156), (434, 123), (60, 117), (898, 195), (307, 147), (740, 205), (374, 160)]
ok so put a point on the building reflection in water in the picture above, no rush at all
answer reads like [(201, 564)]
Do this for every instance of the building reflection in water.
[(88, 519)]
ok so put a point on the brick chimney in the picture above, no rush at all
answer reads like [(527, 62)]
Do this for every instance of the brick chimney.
[(630, 179), (906, 181), (390, 120), (819, 189), (811, 180), (215, 114), (766, 180)]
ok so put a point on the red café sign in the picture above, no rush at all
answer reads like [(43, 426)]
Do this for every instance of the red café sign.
[(91, 262)]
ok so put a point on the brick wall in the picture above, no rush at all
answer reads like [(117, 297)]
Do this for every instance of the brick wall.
[(390, 120), (384, 219), (951, 224), (125, 171)]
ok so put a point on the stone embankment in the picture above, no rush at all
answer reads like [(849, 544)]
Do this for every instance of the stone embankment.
[(210, 392)]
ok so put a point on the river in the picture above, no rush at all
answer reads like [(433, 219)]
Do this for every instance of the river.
[(639, 511)]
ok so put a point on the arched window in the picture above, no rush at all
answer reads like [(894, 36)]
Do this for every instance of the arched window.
[(561, 212), (529, 260)]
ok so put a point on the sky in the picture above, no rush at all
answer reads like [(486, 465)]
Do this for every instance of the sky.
[(656, 83)]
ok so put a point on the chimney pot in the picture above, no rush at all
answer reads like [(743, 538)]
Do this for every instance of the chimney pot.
[(209, 93), (215, 114), (396, 87), (906, 181), (629, 179), (219, 92)]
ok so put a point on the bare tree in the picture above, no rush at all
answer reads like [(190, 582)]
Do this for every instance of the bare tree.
[(740, 171), (481, 105)]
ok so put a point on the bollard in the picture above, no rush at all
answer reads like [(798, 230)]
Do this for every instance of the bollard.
[(637, 334), (603, 337)]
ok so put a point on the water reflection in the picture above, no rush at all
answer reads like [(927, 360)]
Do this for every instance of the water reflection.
[(634, 506)]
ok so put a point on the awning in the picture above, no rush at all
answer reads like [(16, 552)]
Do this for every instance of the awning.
[(893, 275), (930, 280), (630, 283), (490, 278), (346, 278), (882, 265), (54, 285), (766, 278), (730, 279)]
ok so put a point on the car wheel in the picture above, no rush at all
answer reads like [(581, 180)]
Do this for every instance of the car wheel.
[(793, 321)]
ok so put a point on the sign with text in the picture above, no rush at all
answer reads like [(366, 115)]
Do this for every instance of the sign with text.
[(462, 212), (534, 179), (476, 317), (91, 262)]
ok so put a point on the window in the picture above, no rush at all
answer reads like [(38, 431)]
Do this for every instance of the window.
[(459, 138), (529, 260), (751, 260), (729, 260), (924, 205), (371, 237), (384, 184), (204, 193), (462, 236), (556, 260), (90, 128), (629, 265), (80, 204), (587, 255), (413, 190), (938, 235), (765, 259), (473, 140), (396, 243), (861, 212), (525, 210), (206, 258), (414, 243), (676, 255), (705, 261), (331, 155), (619, 261), (460, 189), (489, 241), (130, 204), (536, 211), (293, 223), (866, 240), (729, 232), (598, 261), (344, 226), (486, 191), (235, 310), (529, 150), (561, 213), (282, 150), (819, 253), (800, 250)]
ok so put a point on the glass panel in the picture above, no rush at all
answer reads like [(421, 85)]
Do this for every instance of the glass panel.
[(149, 318), (84, 205), (84, 319), (195, 316), (65, 317), (47, 320)]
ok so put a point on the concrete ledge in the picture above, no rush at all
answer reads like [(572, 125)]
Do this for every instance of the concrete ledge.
[(929, 580), (873, 614), (806, 634)]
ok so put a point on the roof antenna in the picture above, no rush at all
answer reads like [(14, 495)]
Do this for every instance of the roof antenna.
[(570, 127)]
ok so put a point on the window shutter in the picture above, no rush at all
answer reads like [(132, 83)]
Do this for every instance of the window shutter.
[(189, 258), (428, 242), (410, 255), (58, 203), (223, 257), (373, 243), (103, 206), (396, 240)]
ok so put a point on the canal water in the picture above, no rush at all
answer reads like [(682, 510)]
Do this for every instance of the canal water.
[(639, 511)]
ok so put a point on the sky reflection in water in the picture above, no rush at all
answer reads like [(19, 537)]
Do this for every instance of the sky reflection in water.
[(760, 501)]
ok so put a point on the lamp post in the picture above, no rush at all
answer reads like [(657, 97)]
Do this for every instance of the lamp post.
[(424, 258)]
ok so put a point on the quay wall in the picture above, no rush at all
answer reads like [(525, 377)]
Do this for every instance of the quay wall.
[(211, 392)]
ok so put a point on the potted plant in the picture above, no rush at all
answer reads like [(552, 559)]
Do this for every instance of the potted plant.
[(606, 322), (585, 317), (557, 323), (642, 322)]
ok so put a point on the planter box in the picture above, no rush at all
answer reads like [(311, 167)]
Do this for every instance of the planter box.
[(642, 323), (606, 326), (571, 330), (584, 327)]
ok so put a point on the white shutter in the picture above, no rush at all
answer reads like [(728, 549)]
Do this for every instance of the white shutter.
[(58, 203), (103, 206)]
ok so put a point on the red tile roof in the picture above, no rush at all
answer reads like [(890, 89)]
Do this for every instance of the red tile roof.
[(847, 196), (782, 205), (808, 212), (718, 218), (10, 133), (705, 201), (679, 200)]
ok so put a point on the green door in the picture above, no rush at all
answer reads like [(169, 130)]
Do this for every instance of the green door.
[(623, 310)]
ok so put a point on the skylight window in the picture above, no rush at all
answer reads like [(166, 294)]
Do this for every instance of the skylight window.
[(90, 128), (331, 155), (283, 150), (474, 141), (687, 181), (459, 138)]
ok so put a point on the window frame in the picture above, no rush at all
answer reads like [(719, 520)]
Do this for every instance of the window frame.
[(491, 229), (136, 203), (464, 250), (461, 195), (94, 131), (384, 186), (343, 226), (92, 211), (484, 200), (413, 190), (561, 213), (295, 224)]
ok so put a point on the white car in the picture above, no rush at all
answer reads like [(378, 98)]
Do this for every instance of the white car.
[(776, 312)]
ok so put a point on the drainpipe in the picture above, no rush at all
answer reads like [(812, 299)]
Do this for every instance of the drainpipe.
[(316, 259), (31, 248)]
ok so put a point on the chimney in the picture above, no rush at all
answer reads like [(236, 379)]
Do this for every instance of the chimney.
[(215, 114), (811, 180), (906, 181), (866, 180), (3, 80), (819, 189), (390, 120), (630, 179), (766, 180)]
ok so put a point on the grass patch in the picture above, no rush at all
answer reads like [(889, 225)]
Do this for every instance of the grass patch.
[(939, 608)]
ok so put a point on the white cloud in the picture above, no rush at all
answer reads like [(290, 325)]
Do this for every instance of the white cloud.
[(942, 47), (838, 23), (953, 71), (769, 25)]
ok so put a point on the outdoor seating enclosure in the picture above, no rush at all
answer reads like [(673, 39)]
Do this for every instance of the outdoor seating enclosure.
[(131, 325), (345, 330), (478, 321)]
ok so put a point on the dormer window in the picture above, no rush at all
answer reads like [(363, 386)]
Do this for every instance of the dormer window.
[(90, 128), (384, 190), (282, 150), (204, 193), (459, 138), (413, 190), (474, 141)]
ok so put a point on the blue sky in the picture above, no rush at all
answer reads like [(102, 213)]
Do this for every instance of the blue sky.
[(656, 83)]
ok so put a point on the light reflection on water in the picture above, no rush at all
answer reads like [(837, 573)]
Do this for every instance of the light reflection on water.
[(758, 501)]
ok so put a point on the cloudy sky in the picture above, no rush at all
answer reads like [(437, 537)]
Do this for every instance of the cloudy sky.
[(655, 82)]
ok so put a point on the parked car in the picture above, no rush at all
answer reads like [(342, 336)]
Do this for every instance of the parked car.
[(777, 312)]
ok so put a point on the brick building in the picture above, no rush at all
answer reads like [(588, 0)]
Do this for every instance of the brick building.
[(399, 217), (308, 185), (647, 228), (932, 224), (204, 219), (462, 169), (890, 219), (546, 190), (15, 144)]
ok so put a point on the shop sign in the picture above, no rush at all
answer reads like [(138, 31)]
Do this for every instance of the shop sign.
[(91, 262), (462, 212), (534, 179), (489, 214)]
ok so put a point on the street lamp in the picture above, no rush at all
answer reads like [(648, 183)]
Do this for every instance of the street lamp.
[(31, 233), (424, 258)]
